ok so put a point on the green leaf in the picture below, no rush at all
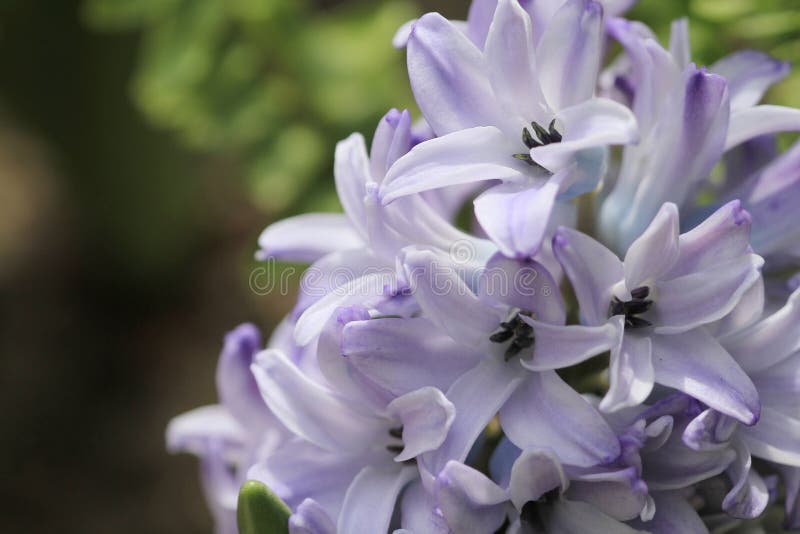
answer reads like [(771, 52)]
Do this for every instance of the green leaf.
[(260, 511)]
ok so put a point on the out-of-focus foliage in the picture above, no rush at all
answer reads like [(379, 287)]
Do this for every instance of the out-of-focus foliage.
[(719, 27), (276, 82), (272, 82)]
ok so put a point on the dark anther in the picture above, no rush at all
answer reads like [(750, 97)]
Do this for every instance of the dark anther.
[(396, 432), (518, 331), (502, 336), (631, 308), (641, 292), (397, 449), (543, 137)]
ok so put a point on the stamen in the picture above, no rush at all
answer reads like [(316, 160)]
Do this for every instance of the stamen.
[(518, 331), (396, 432), (543, 137), (631, 308)]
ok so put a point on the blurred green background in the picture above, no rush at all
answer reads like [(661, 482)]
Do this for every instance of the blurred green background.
[(143, 146)]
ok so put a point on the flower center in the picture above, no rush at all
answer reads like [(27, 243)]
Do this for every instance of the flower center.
[(542, 137), (638, 304), (517, 331)]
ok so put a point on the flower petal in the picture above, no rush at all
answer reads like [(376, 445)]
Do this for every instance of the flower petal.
[(569, 53), (544, 412), (673, 514), (448, 77), (562, 346), (749, 74), (656, 250), (426, 416), (471, 155), (575, 517), (495, 381), (391, 141), (191, 431), (591, 268), (351, 172), (471, 503), (752, 122), (769, 341), (776, 437), (370, 499), (310, 518), (535, 473), (631, 374), (420, 512), (511, 60), (702, 297), (367, 290), (308, 237), (695, 363), (524, 284), (516, 216), (310, 411), (748, 497), (446, 300), (402, 355)]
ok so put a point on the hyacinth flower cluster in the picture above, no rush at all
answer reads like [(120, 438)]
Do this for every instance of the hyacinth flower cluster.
[(563, 300)]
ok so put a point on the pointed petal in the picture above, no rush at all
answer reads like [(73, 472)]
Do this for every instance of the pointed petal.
[(752, 122), (598, 122), (310, 411), (511, 60), (479, 19), (620, 494), (545, 412), (562, 346), (710, 430), (446, 300), (569, 53), (391, 141), (776, 437), (535, 473), (679, 47), (656, 250), (310, 518), (723, 236), (702, 297), (495, 381), (371, 498), (236, 386), (516, 217), (426, 416), (591, 268), (748, 497), (749, 73), (351, 172), (192, 431), (630, 374), (524, 284), (448, 77), (471, 155), (308, 237), (402, 355), (470, 502), (769, 341), (695, 363)]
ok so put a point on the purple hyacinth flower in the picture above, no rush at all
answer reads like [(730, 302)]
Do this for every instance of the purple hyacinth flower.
[(666, 290), (482, 104)]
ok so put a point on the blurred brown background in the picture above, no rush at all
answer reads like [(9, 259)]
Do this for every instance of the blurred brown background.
[(137, 167)]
